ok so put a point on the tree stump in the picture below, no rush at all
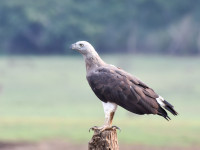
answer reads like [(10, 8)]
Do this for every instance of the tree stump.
[(107, 140)]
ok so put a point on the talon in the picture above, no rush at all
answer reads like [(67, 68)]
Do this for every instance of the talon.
[(103, 129), (116, 127), (93, 128)]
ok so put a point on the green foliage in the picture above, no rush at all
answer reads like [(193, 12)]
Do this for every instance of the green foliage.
[(49, 26), (49, 97)]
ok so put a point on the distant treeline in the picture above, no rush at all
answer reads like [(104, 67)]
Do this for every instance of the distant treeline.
[(134, 26)]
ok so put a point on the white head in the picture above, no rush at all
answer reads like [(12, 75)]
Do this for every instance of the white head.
[(84, 48), (91, 57)]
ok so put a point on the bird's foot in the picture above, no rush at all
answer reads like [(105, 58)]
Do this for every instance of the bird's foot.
[(100, 129), (103, 128), (93, 128), (116, 127)]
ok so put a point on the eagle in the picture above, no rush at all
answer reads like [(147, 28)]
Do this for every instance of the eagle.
[(114, 86)]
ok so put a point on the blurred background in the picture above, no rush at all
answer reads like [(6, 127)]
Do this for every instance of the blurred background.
[(45, 100)]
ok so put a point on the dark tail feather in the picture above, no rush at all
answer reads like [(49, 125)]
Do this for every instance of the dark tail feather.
[(170, 108), (163, 113)]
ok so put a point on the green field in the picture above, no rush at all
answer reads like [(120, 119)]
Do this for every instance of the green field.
[(49, 98)]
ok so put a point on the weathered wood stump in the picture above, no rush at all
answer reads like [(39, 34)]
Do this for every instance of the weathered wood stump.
[(107, 140)]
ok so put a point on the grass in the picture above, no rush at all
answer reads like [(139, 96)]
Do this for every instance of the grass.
[(49, 97)]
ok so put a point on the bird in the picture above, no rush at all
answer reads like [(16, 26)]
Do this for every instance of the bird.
[(116, 87)]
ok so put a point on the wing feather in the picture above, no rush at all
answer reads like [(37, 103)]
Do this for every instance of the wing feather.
[(115, 85)]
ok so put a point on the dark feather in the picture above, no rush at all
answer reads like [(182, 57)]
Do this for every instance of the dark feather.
[(170, 108), (112, 84)]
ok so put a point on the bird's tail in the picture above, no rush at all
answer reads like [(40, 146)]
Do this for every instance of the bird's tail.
[(170, 108), (163, 103)]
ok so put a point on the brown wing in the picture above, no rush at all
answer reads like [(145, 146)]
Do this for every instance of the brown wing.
[(115, 85)]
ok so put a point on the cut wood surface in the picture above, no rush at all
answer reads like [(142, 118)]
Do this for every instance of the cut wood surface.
[(106, 140)]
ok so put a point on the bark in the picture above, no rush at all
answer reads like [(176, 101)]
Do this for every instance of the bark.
[(107, 140)]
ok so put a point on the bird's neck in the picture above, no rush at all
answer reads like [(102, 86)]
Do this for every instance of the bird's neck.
[(93, 61)]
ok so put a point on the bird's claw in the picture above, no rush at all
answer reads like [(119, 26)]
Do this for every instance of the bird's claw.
[(101, 129), (93, 128), (116, 127)]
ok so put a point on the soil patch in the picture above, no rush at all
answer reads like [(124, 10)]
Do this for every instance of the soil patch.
[(63, 145)]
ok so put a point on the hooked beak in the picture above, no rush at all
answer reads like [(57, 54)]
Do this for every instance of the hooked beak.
[(72, 46)]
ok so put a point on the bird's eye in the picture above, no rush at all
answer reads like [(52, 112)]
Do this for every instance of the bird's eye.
[(81, 45)]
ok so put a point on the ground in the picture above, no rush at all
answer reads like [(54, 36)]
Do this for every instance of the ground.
[(63, 145), (47, 98)]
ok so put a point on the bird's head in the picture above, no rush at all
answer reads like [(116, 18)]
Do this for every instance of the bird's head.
[(83, 47)]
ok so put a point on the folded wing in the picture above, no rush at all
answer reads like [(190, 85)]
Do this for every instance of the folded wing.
[(115, 85)]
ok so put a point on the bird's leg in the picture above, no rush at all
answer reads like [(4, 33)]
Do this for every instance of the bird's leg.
[(108, 120), (107, 123), (109, 110)]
